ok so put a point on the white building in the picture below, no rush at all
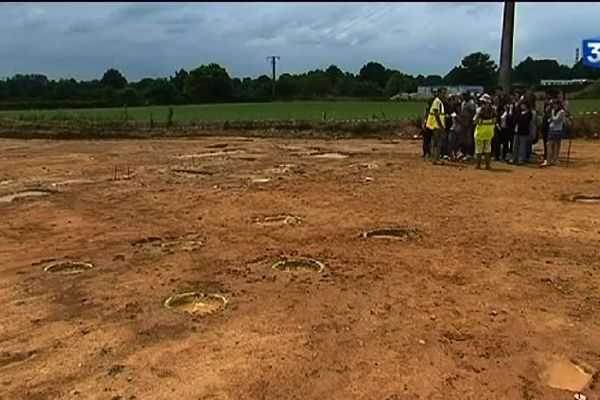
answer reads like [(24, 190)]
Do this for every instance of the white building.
[(430, 90), (563, 82)]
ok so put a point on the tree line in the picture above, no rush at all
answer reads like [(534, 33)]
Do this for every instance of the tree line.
[(211, 83)]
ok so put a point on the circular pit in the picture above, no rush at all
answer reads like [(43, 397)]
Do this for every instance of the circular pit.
[(390, 233), (299, 265), (585, 198), (68, 267), (196, 303), (278, 220)]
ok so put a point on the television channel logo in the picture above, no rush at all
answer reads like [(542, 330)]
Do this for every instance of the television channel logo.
[(591, 52)]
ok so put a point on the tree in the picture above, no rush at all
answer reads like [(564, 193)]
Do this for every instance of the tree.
[(64, 89), (114, 79), (261, 88), (287, 86), (316, 84), (161, 91), (128, 97), (400, 83), (27, 86), (532, 71), (374, 72), (475, 69), (582, 71), (432, 80), (334, 74), (208, 83), (179, 79), (143, 85)]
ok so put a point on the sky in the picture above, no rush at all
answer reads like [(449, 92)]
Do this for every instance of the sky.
[(82, 40)]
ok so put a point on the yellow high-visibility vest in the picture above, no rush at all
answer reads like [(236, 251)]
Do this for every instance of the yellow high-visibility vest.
[(485, 129), (431, 120)]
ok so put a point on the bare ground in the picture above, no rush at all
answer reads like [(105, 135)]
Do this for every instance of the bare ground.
[(499, 280)]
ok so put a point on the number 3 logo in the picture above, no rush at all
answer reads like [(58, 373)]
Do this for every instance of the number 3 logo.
[(594, 52)]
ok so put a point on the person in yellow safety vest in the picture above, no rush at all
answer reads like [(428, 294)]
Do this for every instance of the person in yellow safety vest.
[(435, 122), (485, 121)]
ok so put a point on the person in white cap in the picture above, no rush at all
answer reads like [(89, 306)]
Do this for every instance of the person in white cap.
[(485, 121)]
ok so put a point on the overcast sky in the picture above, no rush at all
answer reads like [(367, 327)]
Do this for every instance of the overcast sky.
[(82, 40)]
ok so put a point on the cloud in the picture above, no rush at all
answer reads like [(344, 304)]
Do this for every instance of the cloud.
[(136, 11), (155, 39)]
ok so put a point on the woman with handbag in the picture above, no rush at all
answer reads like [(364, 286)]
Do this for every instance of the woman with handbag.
[(555, 132)]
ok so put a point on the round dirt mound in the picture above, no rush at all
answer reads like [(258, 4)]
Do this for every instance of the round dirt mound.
[(278, 220), (26, 194), (390, 233), (68, 267), (299, 264), (585, 198), (196, 303)]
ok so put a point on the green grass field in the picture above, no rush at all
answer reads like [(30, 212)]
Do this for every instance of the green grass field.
[(305, 110)]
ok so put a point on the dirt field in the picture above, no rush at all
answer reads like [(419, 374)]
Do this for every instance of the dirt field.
[(494, 294)]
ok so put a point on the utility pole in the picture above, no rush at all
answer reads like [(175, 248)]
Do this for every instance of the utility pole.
[(506, 49), (273, 60)]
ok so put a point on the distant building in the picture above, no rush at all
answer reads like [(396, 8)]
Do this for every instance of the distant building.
[(430, 90), (563, 82)]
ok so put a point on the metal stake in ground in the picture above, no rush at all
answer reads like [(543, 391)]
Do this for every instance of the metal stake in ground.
[(569, 150)]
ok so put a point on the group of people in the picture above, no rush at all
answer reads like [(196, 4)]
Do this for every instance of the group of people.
[(505, 127)]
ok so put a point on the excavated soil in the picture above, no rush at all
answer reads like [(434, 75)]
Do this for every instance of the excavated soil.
[(503, 284)]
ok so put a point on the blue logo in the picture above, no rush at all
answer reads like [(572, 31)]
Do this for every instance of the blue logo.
[(591, 52)]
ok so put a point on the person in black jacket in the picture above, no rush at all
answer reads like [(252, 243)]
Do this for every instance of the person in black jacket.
[(522, 133)]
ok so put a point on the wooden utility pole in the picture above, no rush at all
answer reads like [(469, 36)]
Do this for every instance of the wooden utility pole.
[(506, 49), (273, 60)]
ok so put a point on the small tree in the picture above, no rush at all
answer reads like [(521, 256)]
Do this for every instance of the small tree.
[(114, 79), (208, 83)]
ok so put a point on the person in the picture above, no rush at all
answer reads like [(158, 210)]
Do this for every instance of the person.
[(485, 121), (448, 103), (507, 131), (435, 122), (453, 135), (450, 143), (499, 101), (426, 132), (465, 125), (561, 95), (555, 132), (530, 100), (568, 123), (550, 96), (522, 133)]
